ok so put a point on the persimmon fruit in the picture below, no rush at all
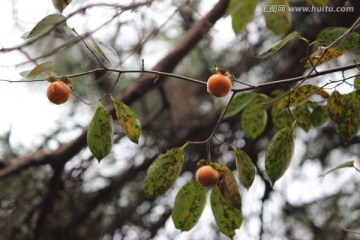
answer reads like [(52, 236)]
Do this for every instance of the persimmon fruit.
[(58, 92), (207, 176), (219, 85)]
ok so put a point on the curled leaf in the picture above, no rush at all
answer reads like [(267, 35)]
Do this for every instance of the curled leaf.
[(163, 172), (279, 153), (100, 133), (349, 164), (189, 205), (229, 188), (278, 45)]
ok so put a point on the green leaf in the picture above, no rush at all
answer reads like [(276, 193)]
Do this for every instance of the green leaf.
[(277, 16), (254, 118), (245, 167), (349, 164), (46, 67), (128, 120), (239, 102), (61, 4), (297, 96), (349, 126), (278, 45), (163, 172), (328, 35), (105, 53), (227, 217), (357, 83), (46, 23), (319, 116), (323, 55), (100, 133), (189, 205), (279, 153), (335, 106), (229, 188), (281, 117), (242, 12), (302, 113), (318, 3)]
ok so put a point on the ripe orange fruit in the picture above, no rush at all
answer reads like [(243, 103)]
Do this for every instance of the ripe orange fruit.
[(219, 85), (58, 92), (207, 176)]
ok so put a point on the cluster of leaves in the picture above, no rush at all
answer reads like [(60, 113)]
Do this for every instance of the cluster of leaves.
[(286, 109), (190, 201)]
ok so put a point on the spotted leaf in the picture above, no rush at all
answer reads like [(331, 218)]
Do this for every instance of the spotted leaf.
[(189, 205), (163, 172), (229, 188), (128, 120), (245, 167), (254, 118), (350, 43), (279, 152), (100, 133), (227, 217)]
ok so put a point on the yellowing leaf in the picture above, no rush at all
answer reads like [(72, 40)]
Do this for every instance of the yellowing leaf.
[(47, 23), (254, 118), (318, 2), (100, 133), (61, 4), (321, 55), (189, 205), (229, 188), (128, 120), (278, 45), (245, 168), (277, 15), (279, 153), (227, 217), (163, 172), (46, 67), (328, 35), (242, 12), (297, 96)]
